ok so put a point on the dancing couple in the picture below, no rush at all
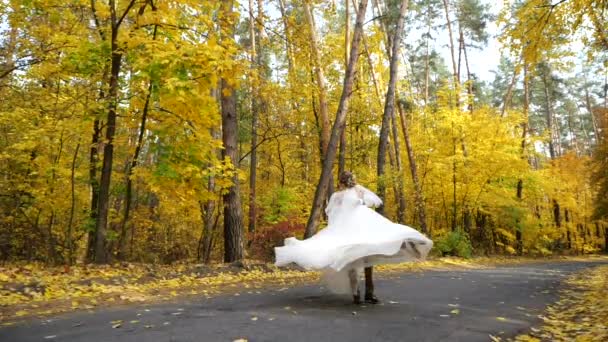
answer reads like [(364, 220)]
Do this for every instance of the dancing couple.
[(355, 239)]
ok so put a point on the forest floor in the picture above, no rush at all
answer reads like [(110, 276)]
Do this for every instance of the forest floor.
[(34, 290)]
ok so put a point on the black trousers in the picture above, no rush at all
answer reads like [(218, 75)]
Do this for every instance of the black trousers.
[(369, 281)]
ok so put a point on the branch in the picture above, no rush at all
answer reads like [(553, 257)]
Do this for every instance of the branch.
[(122, 17), (552, 5), (101, 34), (264, 139)]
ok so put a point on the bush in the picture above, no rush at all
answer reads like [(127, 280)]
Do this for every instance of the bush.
[(455, 243), (266, 239)]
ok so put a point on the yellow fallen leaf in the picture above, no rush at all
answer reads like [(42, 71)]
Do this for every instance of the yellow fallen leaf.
[(254, 318), (501, 318), (494, 338), (455, 311)]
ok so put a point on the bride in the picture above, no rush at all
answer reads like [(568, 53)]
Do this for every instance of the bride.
[(356, 237)]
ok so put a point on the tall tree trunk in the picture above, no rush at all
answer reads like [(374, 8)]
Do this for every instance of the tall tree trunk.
[(338, 126), (389, 104), (69, 240), (101, 255), (254, 123), (207, 210), (606, 239), (233, 216), (288, 48), (320, 77), (524, 133), (549, 115), (446, 8), (589, 107), (471, 99), (419, 198), (94, 185), (509, 94), (427, 56), (400, 196), (342, 151), (122, 249)]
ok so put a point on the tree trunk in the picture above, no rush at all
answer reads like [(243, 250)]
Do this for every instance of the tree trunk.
[(524, 133), (338, 126), (389, 104), (419, 198), (427, 56), (471, 99), (342, 152), (549, 115), (207, 210), (507, 98), (254, 124), (101, 255), (233, 216), (606, 239), (94, 184), (451, 43), (320, 77), (556, 214), (69, 240), (400, 196)]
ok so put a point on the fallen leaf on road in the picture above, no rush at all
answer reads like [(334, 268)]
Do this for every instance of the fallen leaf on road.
[(254, 318), (240, 340), (117, 325), (494, 338), (455, 311), (501, 318)]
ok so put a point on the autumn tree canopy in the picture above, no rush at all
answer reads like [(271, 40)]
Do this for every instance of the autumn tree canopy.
[(157, 131)]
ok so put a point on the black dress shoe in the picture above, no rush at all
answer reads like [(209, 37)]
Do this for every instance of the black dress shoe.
[(371, 299)]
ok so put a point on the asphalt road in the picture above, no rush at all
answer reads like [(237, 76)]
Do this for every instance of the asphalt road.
[(455, 305)]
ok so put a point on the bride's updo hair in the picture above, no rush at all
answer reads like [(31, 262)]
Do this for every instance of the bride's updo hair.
[(347, 179)]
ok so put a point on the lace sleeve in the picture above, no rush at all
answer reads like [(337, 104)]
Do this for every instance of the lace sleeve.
[(370, 199), (335, 201)]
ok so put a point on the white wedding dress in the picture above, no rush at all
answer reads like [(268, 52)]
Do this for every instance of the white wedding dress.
[(355, 237)]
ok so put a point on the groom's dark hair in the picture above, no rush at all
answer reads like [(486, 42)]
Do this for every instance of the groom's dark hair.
[(347, 179)]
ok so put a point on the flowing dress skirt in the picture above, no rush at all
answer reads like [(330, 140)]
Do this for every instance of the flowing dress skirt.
[(356, 239)]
